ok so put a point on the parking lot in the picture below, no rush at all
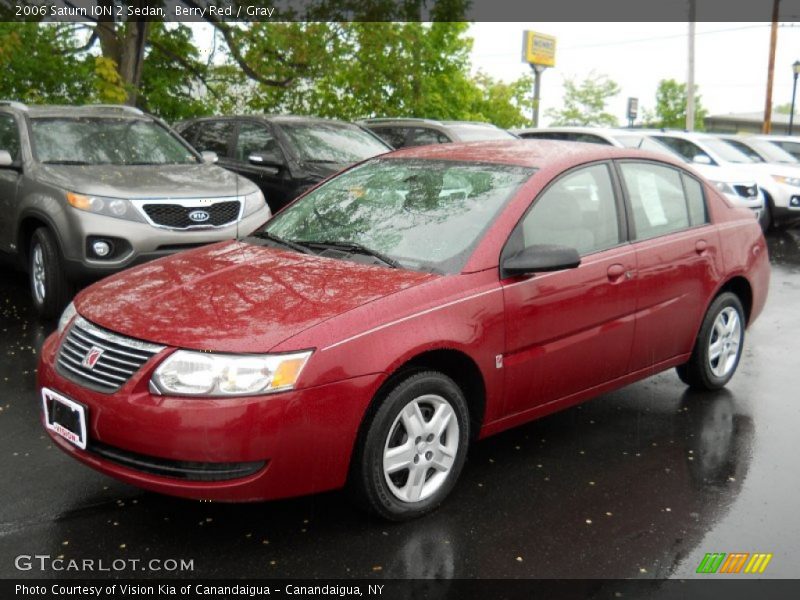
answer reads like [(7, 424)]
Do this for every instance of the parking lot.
[(640, 483)]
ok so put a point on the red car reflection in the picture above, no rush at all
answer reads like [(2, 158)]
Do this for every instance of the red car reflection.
[(399, 311)]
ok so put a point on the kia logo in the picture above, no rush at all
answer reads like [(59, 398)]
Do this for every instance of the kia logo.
[(92, 356), (199, 216)]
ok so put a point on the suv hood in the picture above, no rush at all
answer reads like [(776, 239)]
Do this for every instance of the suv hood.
[(725, 174), (146, 181), (235, 297)]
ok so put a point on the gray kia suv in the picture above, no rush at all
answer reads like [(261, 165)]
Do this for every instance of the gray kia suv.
[(87, 191)]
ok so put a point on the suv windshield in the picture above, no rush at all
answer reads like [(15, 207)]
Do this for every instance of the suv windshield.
[(329, 143), (727, 152), (106, 141), (423, 214)]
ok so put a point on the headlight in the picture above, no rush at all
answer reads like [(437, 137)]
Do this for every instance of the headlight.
[(109, 207), (66, 317), (186, 373), (794, 181), (723, 187), (253, 203)]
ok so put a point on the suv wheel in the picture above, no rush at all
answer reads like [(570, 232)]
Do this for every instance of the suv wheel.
[(50, 287)]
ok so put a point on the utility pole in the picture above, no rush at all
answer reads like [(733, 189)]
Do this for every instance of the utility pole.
[(690, 73), (773, 42)]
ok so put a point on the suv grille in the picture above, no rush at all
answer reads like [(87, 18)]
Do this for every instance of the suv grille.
[(101, 359), (176, 216), (746, 191)]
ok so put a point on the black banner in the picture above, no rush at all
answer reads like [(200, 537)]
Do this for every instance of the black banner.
[(395, 10), (393, 589)]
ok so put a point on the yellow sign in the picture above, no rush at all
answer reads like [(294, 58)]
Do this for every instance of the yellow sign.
[(538, 49)]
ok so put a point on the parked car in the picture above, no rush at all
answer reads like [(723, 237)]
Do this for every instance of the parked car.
[(372, 330), (741, 191), (783, 194), (285, 155), (789, 143), (88, 191), (402, 133)]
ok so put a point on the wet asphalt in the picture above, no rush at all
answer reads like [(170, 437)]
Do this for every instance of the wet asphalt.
[(639, 483)]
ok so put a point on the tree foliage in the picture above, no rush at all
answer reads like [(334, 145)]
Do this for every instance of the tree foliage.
[(585, 102), (344, 70), (670, 109)]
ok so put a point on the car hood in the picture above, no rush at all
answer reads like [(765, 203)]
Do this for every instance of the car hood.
[(235, 297), (146, 181)]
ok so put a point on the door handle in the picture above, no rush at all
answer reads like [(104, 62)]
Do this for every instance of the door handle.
[(701, 246), (615, 272)]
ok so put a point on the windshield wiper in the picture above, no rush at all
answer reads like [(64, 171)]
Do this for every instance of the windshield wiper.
[(284, 242), (69, 162), (358, 249)]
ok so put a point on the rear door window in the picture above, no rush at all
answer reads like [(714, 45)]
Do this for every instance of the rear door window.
[(658, 201)]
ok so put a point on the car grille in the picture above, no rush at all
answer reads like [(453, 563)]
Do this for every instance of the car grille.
[(746, 191), (100, 359), (176, 216)]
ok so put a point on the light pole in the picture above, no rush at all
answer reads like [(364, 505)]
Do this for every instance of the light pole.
[(796, 72)]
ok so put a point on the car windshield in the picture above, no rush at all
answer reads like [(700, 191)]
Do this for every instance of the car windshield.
[(106, 141), (332, 143), (645, 143), (423, 214), (727, 152), (476, 133)]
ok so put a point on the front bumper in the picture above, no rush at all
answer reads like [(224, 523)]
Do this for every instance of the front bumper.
[(140, 242), (296, 442)]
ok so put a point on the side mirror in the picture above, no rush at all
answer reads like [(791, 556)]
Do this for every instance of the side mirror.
[(541, 258), (6, 159), (701, 159), (266, 159), (209, 157)]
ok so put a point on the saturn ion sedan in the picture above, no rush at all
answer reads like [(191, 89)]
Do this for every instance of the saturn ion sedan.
[(398, 312)]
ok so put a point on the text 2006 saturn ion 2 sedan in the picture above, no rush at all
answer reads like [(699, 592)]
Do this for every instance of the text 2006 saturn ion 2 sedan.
[(395, 313)]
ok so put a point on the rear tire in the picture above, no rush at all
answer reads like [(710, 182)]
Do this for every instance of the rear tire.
[(50, 288), (718, 347), (413, 448)]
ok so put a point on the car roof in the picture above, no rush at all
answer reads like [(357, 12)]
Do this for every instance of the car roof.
[(413, 120), (275, 118), (526, 153)]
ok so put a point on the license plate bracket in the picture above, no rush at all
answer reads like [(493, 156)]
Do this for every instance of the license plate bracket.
[(64, 417)]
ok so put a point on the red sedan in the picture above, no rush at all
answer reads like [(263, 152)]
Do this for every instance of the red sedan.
[(414, 303)]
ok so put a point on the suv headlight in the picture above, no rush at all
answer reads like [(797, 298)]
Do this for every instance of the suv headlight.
[(109, 207), (253, 202), (186, 373), (66, 317), (793, 181), (723, 187)]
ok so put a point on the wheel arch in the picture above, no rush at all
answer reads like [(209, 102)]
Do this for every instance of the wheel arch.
[(742, 288), (30, 222)]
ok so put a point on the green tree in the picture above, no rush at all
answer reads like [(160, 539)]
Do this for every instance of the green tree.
[(671, 107), (585, 102), (38, 65)]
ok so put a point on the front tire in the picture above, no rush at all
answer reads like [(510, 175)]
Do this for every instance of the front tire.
[(718, 347), (414, 447), (50, 287)]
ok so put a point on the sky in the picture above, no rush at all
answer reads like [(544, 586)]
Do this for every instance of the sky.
[(730, 60)]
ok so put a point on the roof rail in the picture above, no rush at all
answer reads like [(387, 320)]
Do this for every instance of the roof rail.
[(14, 104), (120, 107)]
